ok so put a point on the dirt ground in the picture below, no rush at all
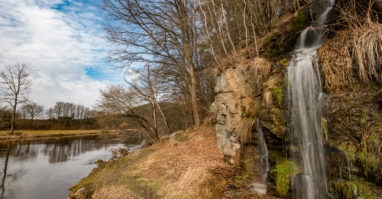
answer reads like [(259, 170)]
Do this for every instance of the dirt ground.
[(168, 169)]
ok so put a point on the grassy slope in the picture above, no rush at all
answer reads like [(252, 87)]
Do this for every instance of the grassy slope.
[(170, 169)]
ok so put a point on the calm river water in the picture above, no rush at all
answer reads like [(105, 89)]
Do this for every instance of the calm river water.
[(47, 169)]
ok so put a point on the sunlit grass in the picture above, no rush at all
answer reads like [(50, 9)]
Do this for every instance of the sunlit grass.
[(52, 131)]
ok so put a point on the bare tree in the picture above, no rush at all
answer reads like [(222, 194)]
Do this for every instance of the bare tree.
[(16, 84), (32, 110), (165, 34), (50, 113), (118, 100), (147, 87)]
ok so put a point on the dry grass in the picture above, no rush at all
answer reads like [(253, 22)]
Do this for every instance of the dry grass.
[(337, 63), (363, 40), (356, 52), (367, 52), (165, 170), (184, 167)]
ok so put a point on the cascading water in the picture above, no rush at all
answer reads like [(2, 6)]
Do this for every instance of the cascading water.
[(264, 153), (261, 188), (306, 99)]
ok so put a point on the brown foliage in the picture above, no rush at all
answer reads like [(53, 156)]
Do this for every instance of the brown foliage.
[(337, 63), (356, 52)]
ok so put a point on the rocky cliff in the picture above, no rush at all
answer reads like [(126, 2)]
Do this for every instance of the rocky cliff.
[(352, 124)]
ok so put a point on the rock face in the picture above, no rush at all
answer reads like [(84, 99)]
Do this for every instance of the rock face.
[(246, 92)]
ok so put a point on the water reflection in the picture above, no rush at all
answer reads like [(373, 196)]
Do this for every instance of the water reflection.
[(46, 169)]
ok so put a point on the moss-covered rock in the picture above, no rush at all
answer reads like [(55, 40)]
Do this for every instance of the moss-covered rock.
[(357, 188), (284, 38), (284, 173)]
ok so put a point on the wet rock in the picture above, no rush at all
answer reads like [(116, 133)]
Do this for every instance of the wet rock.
[(173, 135), (230, 186)]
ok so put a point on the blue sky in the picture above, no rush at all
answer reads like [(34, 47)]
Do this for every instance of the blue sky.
[(63, 43)]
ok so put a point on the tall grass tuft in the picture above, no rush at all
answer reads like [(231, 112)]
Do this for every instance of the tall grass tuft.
[(367, 52), (360, 17)]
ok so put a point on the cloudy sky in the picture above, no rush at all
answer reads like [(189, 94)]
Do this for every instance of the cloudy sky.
[(63, 44)]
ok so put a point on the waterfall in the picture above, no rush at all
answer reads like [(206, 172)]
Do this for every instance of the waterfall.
[(305, 105), (261, 188), (264, 154)]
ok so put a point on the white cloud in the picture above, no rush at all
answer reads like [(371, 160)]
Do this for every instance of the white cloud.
[(56, 45)]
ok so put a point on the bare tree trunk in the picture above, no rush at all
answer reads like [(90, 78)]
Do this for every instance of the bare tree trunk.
[(185, 118), (153, 101), (164, 118), (13, 116), (194, 100), (228, 33), (155, 118), (220, 29), (187, 38), (245, 24), (207, 32)]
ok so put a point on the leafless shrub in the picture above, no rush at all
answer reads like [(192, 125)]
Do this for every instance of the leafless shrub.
[(366, 40)]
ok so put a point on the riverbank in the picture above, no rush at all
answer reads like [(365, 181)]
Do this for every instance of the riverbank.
[(21, 135), (191, 167), (186, 165)]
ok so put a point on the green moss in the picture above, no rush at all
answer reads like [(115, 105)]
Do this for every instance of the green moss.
[(324, 126), (284, 173), (364, 114), (227, 159), (379, 125), (369, 162), (353, 189), (371, 143), (350, 151), (284, 38), (284, 62), (244, 177), (278, 95), (287, 82), (181, 137), (276, 155), (298, 23)]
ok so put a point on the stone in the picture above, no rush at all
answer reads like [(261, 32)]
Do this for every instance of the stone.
[(173, 135), (145, 143), (238, 98)]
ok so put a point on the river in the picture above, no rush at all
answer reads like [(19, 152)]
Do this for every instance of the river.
[(48, 168)]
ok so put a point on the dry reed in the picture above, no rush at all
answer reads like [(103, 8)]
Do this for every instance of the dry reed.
[(367, 52)]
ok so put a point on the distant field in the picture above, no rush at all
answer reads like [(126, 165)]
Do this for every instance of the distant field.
[(53, 131)]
